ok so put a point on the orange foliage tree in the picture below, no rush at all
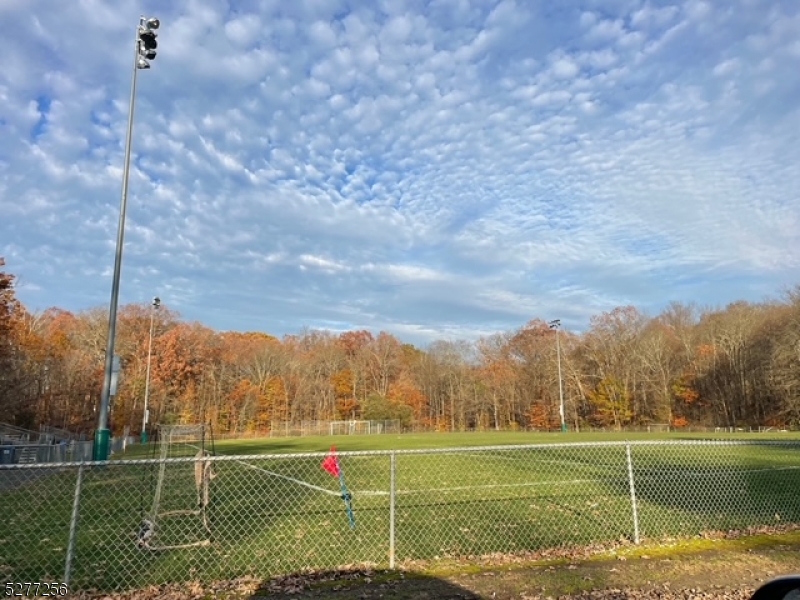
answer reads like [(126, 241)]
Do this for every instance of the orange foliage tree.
[(405, 392), (12, 382), (731, 367), (343, 383)]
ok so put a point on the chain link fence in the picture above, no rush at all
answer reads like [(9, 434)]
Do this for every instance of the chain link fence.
[(261, 515)]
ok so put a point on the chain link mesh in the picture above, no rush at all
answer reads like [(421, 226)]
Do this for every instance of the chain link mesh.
[(261, 515)]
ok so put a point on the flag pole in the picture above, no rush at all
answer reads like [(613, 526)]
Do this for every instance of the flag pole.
[(348, 500), (332, 466)]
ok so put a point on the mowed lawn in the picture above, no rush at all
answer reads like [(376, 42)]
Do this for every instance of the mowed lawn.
[(421, 441), (274, 509)]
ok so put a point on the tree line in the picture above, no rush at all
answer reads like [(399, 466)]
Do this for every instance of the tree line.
[(738, 366)]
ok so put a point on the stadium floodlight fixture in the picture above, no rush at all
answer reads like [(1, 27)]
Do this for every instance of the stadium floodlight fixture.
[(144, 49), (146, 42)]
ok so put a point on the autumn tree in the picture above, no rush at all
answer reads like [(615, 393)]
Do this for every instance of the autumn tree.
[(783, 372), (500, 377), (612, 403), (11, 381), (182, 356), (533, 351), (357, 356), (611, 352), (407, 389), (735, 366)]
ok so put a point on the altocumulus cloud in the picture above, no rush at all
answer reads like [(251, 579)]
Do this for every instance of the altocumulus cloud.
[(437, 169)]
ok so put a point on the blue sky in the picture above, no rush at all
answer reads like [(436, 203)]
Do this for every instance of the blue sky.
[(439, 169)]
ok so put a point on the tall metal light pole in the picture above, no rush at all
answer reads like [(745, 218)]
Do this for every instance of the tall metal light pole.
[(145, 416), (556, 324), (144, 50)]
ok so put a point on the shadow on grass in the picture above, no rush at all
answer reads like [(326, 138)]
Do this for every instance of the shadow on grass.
[(362, 584), (690, 489)]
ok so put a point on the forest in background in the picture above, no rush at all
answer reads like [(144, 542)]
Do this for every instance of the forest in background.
[(733, 367)]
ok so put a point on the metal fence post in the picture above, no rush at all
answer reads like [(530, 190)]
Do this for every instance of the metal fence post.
[(634, 508), (73, 526), (392, 472)]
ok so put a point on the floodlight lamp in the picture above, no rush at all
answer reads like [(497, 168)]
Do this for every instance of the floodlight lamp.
[(156, 302), (148, 39), (141, 63), (152, 23)]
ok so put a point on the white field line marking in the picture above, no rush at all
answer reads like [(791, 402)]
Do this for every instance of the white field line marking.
[(316, 487), (728, 473), (568, 462), (770, 469), (292, 479), (477, 487)]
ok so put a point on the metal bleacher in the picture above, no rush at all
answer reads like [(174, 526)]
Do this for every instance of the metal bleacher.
[(49, 444), (28, 455)]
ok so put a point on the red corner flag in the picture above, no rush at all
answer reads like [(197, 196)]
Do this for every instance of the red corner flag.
[(331, 463)]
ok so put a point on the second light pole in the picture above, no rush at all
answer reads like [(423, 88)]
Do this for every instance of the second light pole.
[(556, 324), (145, 415)]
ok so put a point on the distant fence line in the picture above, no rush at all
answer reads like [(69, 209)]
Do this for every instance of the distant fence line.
[(131, 523), (320, 427), (346, 427)]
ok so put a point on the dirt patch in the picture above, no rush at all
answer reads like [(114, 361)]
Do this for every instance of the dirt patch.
[(710, 574), (723, 569)]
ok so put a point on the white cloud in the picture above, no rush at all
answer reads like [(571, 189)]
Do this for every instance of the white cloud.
[(606, 30), (698, 9), (322, 263), (243, 31), (727, 67), (405, 273), (565, 68), (438, 170), (650, 16)]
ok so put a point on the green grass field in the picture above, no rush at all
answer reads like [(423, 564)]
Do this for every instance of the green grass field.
[(418, 441), (273, 510)]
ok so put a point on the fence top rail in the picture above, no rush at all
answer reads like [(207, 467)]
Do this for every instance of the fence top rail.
[(14, 429), (420, 451)]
